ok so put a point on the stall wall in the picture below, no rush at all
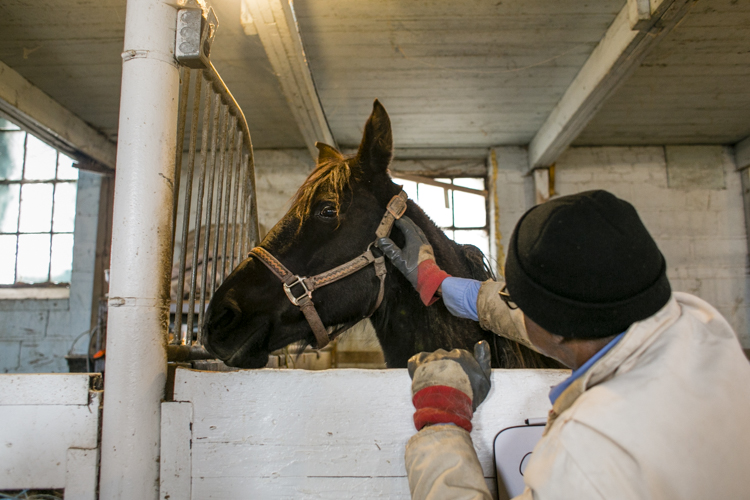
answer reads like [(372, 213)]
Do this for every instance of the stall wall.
[(691, 204)]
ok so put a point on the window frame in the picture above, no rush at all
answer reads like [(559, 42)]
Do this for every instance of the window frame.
[(6, 289)]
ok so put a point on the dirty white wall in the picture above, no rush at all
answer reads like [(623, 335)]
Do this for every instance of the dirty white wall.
[(36, 334), (694, 214)]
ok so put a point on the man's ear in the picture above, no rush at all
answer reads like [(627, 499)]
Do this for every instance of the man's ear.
[(327, 153), (376, 149)]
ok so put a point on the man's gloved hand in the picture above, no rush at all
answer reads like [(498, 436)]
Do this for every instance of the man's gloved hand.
[(416, 260), (448, 386)]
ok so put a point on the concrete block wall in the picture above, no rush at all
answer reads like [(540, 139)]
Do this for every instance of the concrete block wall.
[(36, 334), (699, 229)]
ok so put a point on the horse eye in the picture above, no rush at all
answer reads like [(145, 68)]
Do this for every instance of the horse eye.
[(327, 212)]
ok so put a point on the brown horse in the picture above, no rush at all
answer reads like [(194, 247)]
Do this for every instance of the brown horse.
[(333, 218)]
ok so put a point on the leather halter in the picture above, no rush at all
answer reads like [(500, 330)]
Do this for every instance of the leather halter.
[(395, 209)]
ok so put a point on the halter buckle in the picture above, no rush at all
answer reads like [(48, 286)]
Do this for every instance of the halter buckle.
[(288, 290)]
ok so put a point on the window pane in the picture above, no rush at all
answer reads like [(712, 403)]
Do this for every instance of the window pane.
[(470, 210), (36, 208), (7, 260), (478, 237), (9, 208), (33, 258), (65, 169), (410, 187), (65, 207), (6, 125), (41, 160), (62, 258), (469, 182), (432, 201), (11, 155)]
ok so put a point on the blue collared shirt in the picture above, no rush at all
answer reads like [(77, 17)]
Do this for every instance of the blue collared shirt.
[(559, 388), (460, 297)]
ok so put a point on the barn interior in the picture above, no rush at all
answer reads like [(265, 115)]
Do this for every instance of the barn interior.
[(511, 102)]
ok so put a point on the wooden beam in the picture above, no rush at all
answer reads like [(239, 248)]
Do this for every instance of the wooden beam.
[(35, 111), (742, 153), (637, 29), (276, 25), (432, 182)]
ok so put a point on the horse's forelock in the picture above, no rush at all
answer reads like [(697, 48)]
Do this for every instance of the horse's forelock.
[(329, 180)]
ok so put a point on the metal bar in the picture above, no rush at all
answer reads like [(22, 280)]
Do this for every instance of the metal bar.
[(254, 231), (186, 214), (236, 185), (219, 187), (182, 113), (209, 201), (228, 98), (246, 209), (141, 259), (199, 213), (228, 184), (243, 204)]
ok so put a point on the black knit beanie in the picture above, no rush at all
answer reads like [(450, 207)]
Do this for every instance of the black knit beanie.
[(584, 266)]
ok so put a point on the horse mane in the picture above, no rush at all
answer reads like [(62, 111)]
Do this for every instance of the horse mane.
[(329, 180)]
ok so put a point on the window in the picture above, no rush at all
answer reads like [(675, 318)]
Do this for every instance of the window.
[(37, 210), (461, 215)]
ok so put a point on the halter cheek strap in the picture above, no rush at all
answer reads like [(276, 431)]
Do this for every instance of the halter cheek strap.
[(303, 298)]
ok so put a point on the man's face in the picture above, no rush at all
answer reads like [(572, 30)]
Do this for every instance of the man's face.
[(544, 341)]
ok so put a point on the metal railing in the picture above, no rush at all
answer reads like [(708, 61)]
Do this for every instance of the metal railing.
[(219, 221)]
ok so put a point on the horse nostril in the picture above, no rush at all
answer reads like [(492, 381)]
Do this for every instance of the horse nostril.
[(224, 318)]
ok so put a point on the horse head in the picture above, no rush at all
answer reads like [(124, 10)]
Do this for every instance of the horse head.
[(332, 219)]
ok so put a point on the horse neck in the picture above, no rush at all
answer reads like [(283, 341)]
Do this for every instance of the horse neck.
[(404, 325)]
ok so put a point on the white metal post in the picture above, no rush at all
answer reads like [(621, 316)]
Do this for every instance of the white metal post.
[(140, 268)]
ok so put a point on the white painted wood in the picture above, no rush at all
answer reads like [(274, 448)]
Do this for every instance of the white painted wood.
[(176, 444), (276, 25), (742, 154), (44, 389), (541, 185), (618, 54), (329, 434), (35, 439), (48, 119), (81, 474)]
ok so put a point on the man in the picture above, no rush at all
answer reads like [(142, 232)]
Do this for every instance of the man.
[(658, 404)]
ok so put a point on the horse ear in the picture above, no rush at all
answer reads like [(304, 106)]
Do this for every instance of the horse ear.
[(327, 153), (376, 149)]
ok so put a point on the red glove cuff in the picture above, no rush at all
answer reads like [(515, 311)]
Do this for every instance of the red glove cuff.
[(429, 279), (440, 404)]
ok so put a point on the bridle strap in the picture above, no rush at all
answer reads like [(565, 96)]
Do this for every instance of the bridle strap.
[(395, 209)]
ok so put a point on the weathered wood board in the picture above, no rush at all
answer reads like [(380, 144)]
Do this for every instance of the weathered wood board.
[(327, 434), (49, 426)]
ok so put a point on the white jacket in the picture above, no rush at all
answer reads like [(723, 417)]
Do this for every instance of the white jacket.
[(665, 414)]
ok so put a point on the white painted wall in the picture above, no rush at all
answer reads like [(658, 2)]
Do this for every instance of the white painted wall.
[(35, 335), (700, 230), (332, 434)]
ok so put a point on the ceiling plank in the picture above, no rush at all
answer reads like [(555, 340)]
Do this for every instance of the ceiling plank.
[(276, 25), (639, 27), (742, 153), (44, 117)]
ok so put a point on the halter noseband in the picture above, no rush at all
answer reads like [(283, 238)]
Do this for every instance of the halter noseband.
[(395, 209)]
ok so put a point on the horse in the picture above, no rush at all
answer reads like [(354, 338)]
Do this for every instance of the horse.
[(333, 218)]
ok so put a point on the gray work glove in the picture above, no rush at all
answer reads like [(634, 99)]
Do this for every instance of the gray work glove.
[(448, 386), (416, 260)]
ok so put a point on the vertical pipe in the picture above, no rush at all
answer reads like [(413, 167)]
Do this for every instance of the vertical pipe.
[(219, 188), (141, 259), (228, 195), (243, 205), (184, 92), (199, 214), (236, 184), (186, 215), (209, 202), (246, 211), (253, 222)]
